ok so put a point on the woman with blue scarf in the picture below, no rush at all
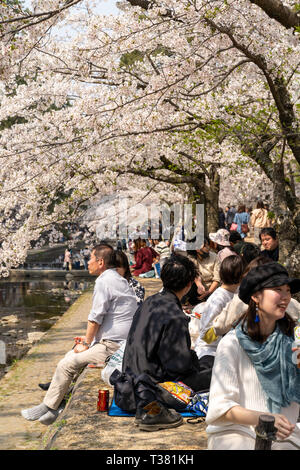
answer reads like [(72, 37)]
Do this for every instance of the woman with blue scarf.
[(255, 370)]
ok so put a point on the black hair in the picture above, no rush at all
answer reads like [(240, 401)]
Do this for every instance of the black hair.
[(249, 252), (286, 324), (177, 272), (234, 236), (268, 231), (122, 262), (107, 253), (194, 253), (260, 205), (231, 270)]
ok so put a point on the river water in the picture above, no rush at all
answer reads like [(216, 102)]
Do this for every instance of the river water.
[(32, 306)]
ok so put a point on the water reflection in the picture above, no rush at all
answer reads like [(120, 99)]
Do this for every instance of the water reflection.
[(39, 296), (31, 305)]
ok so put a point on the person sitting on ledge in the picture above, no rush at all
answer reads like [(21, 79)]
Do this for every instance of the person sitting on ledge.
[(144, 256), (123, 269), (256, 369), (114, 305), (158, 348)]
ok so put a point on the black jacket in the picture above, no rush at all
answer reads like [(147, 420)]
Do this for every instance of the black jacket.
[(158, 342), (273, 254)]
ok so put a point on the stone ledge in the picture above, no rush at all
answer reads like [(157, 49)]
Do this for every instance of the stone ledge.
[(50, 273), (81, 427)]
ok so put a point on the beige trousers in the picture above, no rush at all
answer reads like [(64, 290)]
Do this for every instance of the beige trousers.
[(71, 364)]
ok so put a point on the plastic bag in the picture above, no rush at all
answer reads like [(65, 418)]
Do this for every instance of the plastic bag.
[(115, 362), (178, 390), (179, 244), (199, 403), (150, 273)]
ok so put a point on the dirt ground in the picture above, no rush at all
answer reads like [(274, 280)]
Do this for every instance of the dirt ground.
[(80, 426)]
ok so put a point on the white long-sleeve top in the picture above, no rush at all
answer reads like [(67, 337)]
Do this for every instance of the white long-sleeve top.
[(209, 310), (235, 382)]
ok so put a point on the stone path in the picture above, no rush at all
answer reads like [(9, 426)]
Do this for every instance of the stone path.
[(80, 426)]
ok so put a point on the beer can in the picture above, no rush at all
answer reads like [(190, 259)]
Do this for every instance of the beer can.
[(103, 400)]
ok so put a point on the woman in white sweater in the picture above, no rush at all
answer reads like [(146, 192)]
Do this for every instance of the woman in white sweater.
[(255, 371), (231, 271)]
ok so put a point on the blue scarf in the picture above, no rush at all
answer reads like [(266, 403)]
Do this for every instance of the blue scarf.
[(276, 372)]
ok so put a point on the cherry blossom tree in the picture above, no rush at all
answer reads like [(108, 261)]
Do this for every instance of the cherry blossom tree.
[(166, 95)]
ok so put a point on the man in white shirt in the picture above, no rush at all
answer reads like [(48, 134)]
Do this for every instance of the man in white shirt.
[(109, 321)]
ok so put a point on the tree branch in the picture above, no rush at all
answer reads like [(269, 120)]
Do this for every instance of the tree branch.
[(279, 12), (278, 89)]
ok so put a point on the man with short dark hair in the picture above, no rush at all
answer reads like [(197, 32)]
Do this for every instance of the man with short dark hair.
[(159, 343), (269, 242), (109, 321)]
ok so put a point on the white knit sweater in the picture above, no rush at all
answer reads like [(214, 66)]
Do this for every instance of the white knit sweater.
[(209, 310), (235, 382)]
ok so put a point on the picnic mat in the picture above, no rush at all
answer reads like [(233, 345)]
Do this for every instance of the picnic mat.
[(114, 410)]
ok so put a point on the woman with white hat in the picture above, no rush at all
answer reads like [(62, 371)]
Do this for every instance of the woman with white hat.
[(222, 244)]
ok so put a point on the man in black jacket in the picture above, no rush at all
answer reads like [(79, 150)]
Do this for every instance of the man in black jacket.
[(270, 243), (158, 347)]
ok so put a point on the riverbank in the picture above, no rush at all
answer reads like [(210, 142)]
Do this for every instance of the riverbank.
[(80, 426), (49, 273)]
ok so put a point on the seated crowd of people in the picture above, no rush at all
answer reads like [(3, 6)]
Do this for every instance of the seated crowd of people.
[(243, 355)]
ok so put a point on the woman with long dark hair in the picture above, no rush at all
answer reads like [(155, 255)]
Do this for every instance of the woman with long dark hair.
[(124, 270), (209, 270), (255, 370)]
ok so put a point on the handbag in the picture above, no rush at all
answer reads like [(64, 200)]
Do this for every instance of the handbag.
[(245, 228), (123, 390), (233, 226)]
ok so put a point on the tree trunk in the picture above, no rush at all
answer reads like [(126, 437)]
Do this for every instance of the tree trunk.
[(293, 264), (287, 216), (212, 201), (208, 194)]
